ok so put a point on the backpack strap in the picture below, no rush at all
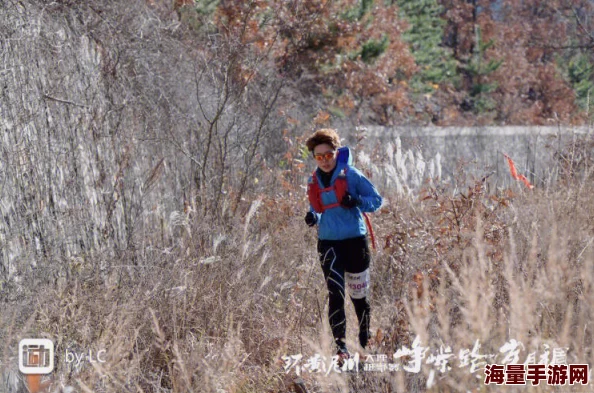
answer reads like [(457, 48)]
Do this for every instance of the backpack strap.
[(314, 191)]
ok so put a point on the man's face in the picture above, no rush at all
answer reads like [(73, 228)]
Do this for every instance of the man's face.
[(325, 157)]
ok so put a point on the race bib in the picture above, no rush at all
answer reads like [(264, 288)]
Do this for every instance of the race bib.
[(358, 284)]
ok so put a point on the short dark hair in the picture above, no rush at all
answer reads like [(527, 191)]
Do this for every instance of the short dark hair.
[(324, 135)]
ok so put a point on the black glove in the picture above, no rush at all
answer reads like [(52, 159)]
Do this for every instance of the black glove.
[(349, 201), (311, 219)]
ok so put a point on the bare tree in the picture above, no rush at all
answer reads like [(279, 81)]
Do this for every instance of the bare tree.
[(114, 120)]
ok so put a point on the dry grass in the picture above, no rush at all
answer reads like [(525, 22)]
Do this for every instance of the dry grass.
[(217, 310)]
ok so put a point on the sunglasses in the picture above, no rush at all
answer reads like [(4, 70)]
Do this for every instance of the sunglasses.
[(325, 156)]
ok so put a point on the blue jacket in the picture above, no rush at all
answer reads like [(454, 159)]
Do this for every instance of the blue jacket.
[(341, 223)]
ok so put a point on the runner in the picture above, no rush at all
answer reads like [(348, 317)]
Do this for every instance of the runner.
[(339, 194)]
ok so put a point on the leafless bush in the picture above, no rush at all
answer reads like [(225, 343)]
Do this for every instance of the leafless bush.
[(118, 121)]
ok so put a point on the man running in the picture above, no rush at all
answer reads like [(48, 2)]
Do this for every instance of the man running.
[(339, 194)]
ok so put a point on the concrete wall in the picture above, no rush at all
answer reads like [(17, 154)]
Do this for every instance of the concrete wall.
[(480, 148)]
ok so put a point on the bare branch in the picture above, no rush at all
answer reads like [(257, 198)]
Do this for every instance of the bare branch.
[(64, 101)]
